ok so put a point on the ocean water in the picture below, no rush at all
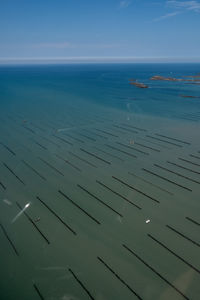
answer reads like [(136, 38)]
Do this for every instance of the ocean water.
[(99, 182)]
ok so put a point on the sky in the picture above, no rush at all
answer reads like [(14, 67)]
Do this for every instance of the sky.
[(109, 29)]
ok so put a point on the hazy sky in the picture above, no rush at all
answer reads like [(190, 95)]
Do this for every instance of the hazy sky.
[(99, 28)]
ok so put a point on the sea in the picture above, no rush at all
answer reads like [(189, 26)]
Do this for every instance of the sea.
[(100, 181)]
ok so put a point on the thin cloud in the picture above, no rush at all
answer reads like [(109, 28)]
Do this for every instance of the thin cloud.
[(124, 3), (67, 45), (167, 16), (187, 5)]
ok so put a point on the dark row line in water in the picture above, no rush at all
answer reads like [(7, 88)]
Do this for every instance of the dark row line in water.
[(98, 199), (193, 221), (68, 162), (62, 140), (33, 223), (168, 180), (135, 189), (183, 235), (122, 151), (50, 166), (145, 146), (138, 128), (29, 129), (106, 132), (2, 185), (13, 173), (73, 138), (81, 284), (9, 239), (182, 167), (197, 157), (87, 137), (94, 155), (40, 145), (34, 170), (152, 184), (96, 134), (178, 174), (125, 129), (172, 252), (189, 162), (164, 141), (57, 216), (173, 139), (132, 148), (38, 291), (154, 143), (119, 278), (7, 148), (79, 207), (154, 270), (109, 154), (118, 194), (82, 159)]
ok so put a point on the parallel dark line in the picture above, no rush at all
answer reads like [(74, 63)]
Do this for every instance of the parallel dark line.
[(116, 193), (193, 221), (188, 161), (7, 148), (50, 166), (168, 180), (161, 140), (154, 143), (33, 223), (74, 138), (36, 126), (132, 148), (32, 169), (50, 141), (29, 129), (156, 186), (78, 206), (173, 139), (119, 150), (94, 155), (118, 277), (138, 128), (69, 163), (109, 154), (11, 171), (96, 134), (192, 155), (125, 129), (97, 198), (82, 159), (8, 238), (178, 174), (184, 168), (172, 252), (41, 146), (155, 271), (183, 235), (135, 189), (108, 133), (38, 291), (154, 149), (81, 284), (87, 137), (63, 140), (57, 216), (2, 185)]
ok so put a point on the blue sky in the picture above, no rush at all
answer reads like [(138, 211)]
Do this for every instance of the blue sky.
[(99, 28)]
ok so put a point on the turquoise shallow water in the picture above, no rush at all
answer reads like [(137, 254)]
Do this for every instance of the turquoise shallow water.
[(99, 182)]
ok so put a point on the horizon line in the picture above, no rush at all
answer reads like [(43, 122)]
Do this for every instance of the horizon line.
[(96, 59)]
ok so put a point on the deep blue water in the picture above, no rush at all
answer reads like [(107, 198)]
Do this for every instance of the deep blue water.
[(105, 84)]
